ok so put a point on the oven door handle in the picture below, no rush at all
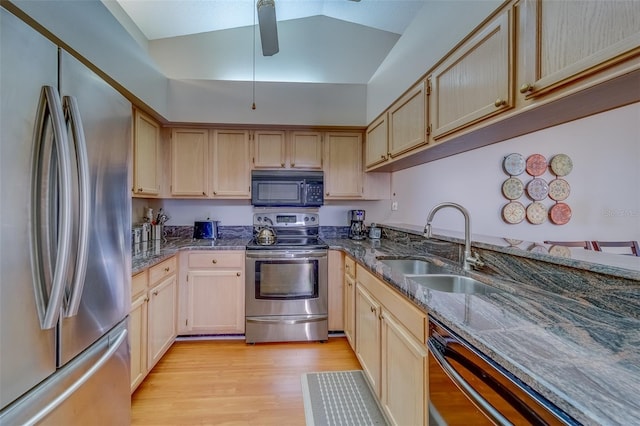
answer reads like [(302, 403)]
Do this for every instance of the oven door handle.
[(475, 397), (290, 321), (280, 255)]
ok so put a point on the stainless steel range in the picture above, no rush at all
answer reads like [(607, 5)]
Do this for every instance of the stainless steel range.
[(286, 279)]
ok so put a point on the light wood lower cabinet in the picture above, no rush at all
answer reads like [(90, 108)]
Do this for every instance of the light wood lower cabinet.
[(212, 292), (349, 301), (336, 290), (390, 345), (152, 318)]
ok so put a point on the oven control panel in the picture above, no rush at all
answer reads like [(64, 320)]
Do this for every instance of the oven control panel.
[(282, 220)]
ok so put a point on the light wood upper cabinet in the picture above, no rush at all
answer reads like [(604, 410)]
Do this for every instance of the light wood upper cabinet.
[(407, 118), (476, 80), (146, 155), (343, 165), (189, 162), (230, 163), (563, 41), (269, 149), (376, 150), (305, 150)]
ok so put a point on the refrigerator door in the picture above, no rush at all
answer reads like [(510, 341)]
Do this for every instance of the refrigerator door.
[(105, 116), (93, 389), (27, 352)]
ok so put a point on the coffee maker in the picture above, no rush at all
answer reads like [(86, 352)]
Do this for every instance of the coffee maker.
[(357, 230)]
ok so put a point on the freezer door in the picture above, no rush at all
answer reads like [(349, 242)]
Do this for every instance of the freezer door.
[(93, 389), (29, 62), (105, 117)]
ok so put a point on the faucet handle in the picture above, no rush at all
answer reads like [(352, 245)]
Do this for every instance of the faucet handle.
[(427, 231), (474, 261)]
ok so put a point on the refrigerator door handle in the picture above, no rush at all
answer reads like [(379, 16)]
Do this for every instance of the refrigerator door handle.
[(51, 206), (72, 116), (113, 347)]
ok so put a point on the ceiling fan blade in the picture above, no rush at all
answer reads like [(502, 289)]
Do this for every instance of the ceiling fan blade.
[(268, 27)]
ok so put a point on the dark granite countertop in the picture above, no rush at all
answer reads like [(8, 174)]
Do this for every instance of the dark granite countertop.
[(573, 338)]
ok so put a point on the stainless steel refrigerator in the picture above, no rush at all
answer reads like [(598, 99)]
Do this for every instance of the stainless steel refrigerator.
[(65, 237)]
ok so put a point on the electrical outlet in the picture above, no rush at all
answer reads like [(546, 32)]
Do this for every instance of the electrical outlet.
[(394, 206)]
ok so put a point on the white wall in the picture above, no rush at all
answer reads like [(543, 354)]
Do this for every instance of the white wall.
[(605, 182), (209, 101)]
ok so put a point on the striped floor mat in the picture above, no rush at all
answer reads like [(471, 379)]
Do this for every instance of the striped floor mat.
[(339, 398)]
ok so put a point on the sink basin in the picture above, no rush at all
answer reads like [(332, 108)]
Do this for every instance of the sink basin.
[(408, 266), (453, 284)]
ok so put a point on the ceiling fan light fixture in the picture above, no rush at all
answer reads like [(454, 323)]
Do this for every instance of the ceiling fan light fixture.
[(268, 27)]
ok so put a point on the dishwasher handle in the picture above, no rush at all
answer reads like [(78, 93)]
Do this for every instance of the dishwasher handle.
[(475, 397)]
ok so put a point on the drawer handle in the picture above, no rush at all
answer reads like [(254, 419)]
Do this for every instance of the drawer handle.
[(525, 88), (167, 269), (214, 261)]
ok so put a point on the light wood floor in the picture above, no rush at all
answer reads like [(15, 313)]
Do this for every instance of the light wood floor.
[(227, 382)]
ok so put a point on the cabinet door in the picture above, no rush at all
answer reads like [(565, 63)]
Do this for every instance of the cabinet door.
[(230, 164), (138, 340), (343, 166), (376, 149), (215, 302), (162, 319), (268, 149), (404, 375), (305, 150), (368, 337), (407, 119), (562, 41), (189, 162), (146, 155), (336, 290), (350, 310), (475, 81)]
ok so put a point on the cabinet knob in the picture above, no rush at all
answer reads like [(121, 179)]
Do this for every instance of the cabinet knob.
[(293, 164), (525, 88), (166, 269), (281, 164), (326, 193), (204, 193), (215, 193), (155, 293), (214, 261), (237, 274), (146, 299), (383, 157), (139, 189), (500, 102), (373, 309)]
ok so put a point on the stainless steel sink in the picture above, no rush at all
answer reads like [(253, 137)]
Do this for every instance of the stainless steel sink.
[(453, 284), (411, 266)]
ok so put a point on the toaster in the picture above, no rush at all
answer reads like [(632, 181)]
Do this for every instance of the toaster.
[(205, 230)]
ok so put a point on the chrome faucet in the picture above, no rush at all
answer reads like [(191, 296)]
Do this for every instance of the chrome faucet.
[(468, 259)]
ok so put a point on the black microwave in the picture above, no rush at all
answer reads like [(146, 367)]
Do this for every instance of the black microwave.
[(287, 188)]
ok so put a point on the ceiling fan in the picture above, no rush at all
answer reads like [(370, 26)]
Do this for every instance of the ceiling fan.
[(269, 27)]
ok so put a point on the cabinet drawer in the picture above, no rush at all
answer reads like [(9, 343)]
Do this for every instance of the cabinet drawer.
[(409, 315), (161, 270), (216, 259), (349, 266), (138, 284)]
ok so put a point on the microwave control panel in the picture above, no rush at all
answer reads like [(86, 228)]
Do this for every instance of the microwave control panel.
[(314, 193)]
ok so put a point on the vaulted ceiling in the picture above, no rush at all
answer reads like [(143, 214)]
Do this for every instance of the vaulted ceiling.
[(321, 41)]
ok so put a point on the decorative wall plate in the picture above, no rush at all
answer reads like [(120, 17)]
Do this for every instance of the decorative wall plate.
[(560, 213), (513, 188), (514, 164), (562, 251), (537, 248), (538, 189), (559, 189), (536, 164), (513, 212), (561, 165), (536, 213)]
